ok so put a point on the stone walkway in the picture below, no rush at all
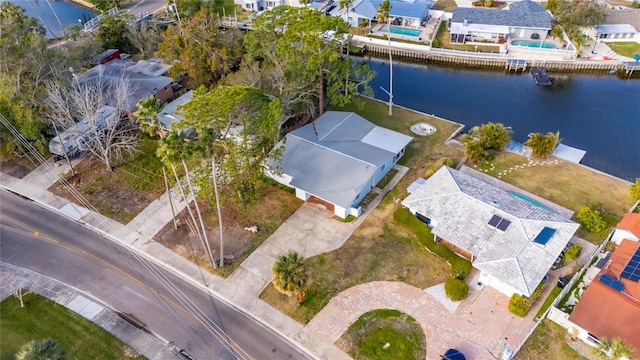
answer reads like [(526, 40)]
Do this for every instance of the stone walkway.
[(480, 328)]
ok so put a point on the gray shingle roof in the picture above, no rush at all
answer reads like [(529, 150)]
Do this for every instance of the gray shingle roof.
[(334, 157), (627, 16), (521, 14), (461, 206), (413, 9)]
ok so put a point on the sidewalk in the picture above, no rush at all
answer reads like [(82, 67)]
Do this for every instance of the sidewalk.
[(309, 231), (88, 307)]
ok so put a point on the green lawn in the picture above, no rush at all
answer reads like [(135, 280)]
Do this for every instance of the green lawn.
[(569, 185), (228, 8), (381, 248), (42, 318), (629, 49), (547, 342), (547, 302), (369, 335)]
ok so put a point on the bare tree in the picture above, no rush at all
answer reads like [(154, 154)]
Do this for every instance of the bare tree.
[(18, 287), (144, 37), (91, 101)]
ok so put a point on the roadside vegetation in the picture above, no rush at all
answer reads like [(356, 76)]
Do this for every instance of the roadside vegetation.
[(384, 334), (569, 185), (382, 248), (41, 319)]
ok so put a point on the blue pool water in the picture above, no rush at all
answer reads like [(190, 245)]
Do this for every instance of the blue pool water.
[(401, 31), (530, 201), (533, 44)]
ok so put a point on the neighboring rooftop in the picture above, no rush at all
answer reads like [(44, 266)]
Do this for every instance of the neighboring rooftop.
[(335, 157), (631, 223), (610, 307), (627, 16), (510, 238), (520, 14), (167, 116), (416, 9), (615, 28)]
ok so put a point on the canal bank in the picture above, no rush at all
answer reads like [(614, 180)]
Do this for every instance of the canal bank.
[(596, 113)]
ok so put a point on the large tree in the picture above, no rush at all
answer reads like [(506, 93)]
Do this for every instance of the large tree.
[(240, 125), (113, 32), (300, 49), (492, 136), (200, 49), (573, 15)]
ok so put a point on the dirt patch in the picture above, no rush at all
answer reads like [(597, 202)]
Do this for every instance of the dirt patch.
[(111, 193), (267, 213), (18, 167)]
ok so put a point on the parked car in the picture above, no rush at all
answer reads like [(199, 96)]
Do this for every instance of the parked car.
[(557, 263), (563, 281)]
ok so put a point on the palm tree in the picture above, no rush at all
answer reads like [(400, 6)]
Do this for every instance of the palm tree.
[(382, 15), (173, 149), (147, 116), (346, 4), (289, 272), (543, 146), (615, 349), (45, 349), (474, 151)]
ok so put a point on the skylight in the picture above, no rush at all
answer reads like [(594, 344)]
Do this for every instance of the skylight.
[(545, 234)]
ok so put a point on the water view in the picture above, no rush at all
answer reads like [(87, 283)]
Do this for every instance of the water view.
[(67, 12), (599, 114)]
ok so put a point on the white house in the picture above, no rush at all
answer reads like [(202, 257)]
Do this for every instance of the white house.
[(406, 13), (620, 25), (627, 228), (513, 242), (523, 20), (336, 160)]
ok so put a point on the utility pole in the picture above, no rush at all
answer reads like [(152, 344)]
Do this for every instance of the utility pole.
[(215, 190)]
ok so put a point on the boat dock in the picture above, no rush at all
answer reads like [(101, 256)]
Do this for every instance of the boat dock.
[(540, 76)]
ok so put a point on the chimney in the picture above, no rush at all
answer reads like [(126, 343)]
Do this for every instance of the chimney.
[(464, 23)]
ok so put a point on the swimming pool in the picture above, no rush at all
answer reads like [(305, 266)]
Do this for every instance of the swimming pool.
[(530, 201), (401, 31), (533, 44)]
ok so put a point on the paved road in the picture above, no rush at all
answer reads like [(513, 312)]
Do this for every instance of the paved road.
[(34, 238)]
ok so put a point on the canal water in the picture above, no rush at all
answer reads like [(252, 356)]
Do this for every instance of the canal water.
[(599, 114), (67, 12)]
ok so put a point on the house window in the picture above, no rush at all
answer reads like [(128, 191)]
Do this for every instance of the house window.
[(593, 338), (350, 19), (382, 167)]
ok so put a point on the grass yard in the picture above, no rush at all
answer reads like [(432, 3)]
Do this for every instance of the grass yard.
[(42, 318), (547, 302), (444, 5), (122, 193), (381, 248), (228, 8), (548, 342), (368, 336), (569, 185), (629, 49), (444, 37)]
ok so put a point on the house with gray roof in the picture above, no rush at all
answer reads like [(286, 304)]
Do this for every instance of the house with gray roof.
[(522, 20), (513, 242), (403, 12), (336, 160), (621, 25)]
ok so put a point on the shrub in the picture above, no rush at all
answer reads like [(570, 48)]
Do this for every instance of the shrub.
[(456, 289), (519, 305), (611, 246), (460, 267), (572, 253), (488, 4), (634, 190), (437, 165), (436, 43), (591, 219)]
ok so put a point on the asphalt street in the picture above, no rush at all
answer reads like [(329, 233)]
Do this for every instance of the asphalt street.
[(207, 328)]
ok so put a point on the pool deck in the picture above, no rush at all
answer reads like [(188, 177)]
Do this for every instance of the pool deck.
[(424, 36), (562, 211)]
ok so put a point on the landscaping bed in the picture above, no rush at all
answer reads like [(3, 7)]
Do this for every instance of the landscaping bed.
[(367, 338), (381, 248), (569, 185), (42, 318), (122, 193), (274, 206)]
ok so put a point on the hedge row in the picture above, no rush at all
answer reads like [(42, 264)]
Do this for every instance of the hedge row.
[(460, 267)]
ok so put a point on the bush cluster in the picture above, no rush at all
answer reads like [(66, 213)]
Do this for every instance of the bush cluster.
[(591, 219), (520, 305), (572, 253), (459, 267), (456, 289)]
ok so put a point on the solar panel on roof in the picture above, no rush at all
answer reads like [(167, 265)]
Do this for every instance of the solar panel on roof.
[(632, 270), (611, 282), (545, 234), (504, 224), (495, 220)]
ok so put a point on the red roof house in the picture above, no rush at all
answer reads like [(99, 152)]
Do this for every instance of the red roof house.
[(627, 228), (610, 307)]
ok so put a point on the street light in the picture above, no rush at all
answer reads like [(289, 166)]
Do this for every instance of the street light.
[(595, 41)]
